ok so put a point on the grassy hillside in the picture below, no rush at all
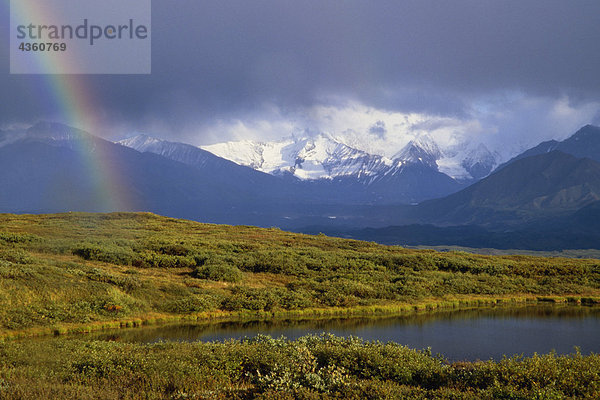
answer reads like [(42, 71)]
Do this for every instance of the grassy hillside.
[(81, 271)]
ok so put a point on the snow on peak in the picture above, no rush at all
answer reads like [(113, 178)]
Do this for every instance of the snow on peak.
[(140, 142), (468, 161), (420, 150), (313, 157), (322, 156), (479, 162)]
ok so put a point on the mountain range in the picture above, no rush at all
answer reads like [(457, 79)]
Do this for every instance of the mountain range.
[(323, 170), (546, 197), (323, 156)]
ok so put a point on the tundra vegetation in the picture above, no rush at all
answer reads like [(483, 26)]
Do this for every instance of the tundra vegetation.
[(80, 272)]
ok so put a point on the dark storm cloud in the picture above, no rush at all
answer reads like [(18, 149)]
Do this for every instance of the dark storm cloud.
[(212, 59)]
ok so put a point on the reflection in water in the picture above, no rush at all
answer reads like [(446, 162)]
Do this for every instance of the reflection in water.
[(457, 335)]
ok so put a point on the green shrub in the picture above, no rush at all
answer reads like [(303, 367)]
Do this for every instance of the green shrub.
[(178, 248), (252, 299), (158, 260), (13, 238), (192, 304), (106, 253), (16, 256)]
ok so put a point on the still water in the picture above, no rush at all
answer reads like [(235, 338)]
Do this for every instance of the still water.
[(457, 335)]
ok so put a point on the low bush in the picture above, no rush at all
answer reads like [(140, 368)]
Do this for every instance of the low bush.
[(311, 367), (218, 272)]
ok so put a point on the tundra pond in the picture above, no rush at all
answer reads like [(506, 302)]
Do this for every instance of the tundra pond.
[(461, 335)]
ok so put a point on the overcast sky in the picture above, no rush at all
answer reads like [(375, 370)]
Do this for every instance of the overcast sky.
[(501, 71)]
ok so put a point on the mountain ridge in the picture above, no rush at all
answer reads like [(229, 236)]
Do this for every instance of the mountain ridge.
[(585, 142), (549, 183), (323, 156), (359, 177)]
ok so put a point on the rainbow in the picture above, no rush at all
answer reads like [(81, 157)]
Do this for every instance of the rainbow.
[(73, 97)]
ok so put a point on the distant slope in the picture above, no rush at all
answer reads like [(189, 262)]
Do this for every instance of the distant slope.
[(222, 170), (48, 169), (583, 143), (413, 183), (181, 152), (562, 234), (40, 177), (544, 185), (577, 230)]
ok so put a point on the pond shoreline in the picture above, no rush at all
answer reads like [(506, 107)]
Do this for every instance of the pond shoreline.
[(427, 306)]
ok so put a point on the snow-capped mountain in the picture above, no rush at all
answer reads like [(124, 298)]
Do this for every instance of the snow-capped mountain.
[(323, 156), (318, 157), (468, 162), (421, 150), (479, 162)]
